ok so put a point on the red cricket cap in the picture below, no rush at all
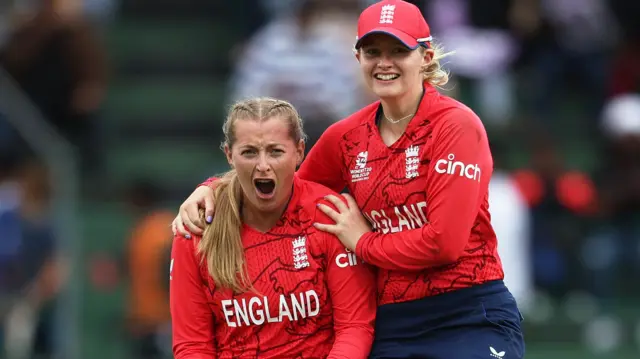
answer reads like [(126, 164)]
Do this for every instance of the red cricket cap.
[(397, 18)]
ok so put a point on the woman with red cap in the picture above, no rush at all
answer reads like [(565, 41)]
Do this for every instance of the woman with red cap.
[(417, 166)]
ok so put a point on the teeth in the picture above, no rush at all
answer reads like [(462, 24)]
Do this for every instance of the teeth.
[(387, 77)]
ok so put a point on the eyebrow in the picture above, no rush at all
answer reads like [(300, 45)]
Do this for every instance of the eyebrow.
[(248, 145)]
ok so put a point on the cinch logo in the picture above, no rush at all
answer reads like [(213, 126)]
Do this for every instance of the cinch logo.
[(347, 259), (451, 167)]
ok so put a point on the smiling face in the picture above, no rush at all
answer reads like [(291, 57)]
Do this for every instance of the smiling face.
[(265, 155), (390, 68)]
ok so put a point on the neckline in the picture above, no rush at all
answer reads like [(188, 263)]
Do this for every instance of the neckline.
[(424, 105)]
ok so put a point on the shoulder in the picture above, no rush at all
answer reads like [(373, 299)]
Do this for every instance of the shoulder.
[(314, 194), (353, 121), (343, 136), (186, 247), (454, 113), (361, 115), (454, 117)]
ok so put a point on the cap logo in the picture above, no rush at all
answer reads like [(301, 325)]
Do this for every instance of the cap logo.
[(386, 14)]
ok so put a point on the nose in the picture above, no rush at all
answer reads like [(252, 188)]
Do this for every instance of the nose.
[(385, 61), (263, 164)]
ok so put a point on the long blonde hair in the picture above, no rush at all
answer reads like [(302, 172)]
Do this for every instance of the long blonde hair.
[(221, 244)]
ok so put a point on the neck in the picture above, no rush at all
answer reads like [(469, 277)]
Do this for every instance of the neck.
[(262, 220), (402, 106)]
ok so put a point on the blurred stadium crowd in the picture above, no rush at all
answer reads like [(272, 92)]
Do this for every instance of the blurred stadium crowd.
[(137, 90)]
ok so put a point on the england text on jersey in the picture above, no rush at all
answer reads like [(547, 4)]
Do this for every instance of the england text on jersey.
[(256, 310), (310, 297)]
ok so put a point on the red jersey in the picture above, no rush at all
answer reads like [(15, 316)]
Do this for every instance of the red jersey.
[(312, 297), (426, 196)]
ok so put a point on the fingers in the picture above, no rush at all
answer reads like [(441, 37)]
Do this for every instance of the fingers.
[(174, 228), (329, 228), (187, 218), (178, 228), (340, 205), (208, 208), (335, 216), (351, 202), (193, 227), (192, 211)]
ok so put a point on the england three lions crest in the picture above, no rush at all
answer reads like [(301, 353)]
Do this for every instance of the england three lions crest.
[(300, 258), (412, 161)]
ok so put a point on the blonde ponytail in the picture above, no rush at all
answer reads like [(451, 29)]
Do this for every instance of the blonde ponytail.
[(221, 244)]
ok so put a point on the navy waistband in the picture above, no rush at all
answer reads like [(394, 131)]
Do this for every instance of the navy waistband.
[(456, 298), (463, 308)]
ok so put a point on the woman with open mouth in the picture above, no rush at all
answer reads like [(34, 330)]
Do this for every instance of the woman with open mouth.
[(262, 281)]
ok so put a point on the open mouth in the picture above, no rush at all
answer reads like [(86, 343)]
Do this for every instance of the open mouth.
[(265, 187), (386, 77)]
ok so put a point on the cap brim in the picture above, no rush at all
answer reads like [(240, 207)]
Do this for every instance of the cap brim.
[(406, 39)]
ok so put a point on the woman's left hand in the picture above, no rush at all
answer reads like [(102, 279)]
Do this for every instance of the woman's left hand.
[(350, 223)]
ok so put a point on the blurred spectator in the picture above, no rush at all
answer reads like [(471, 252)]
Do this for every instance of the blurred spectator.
[(31, 274), (511, 221), (466, 27), (59, 62), (625, 76), (561, 201), (305, 56), (619, 179), (100, 11), (148, 261), (275, 8), (568, 45), (626, 65)]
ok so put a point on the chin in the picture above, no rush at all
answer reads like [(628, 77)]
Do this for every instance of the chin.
[(387, 92), (268, 204)]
